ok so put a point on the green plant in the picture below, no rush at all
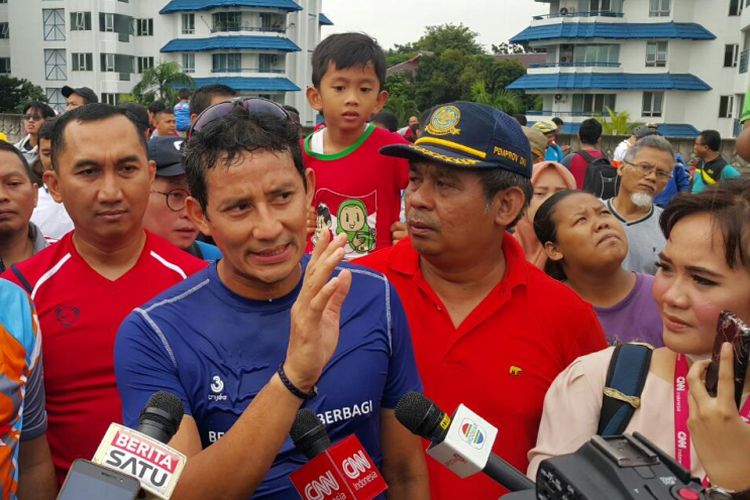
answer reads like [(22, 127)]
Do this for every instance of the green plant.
[(505, 100), (616, 123), (161, 82)]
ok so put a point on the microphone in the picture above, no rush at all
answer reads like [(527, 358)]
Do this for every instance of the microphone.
[(463, 443), (342, 470), (142, 453)]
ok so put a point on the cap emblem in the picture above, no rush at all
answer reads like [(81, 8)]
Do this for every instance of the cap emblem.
[(444, 121)]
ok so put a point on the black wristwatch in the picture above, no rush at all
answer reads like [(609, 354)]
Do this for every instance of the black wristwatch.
[(293, 388)]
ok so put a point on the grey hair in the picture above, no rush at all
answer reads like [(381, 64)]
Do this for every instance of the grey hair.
[(650, 141)]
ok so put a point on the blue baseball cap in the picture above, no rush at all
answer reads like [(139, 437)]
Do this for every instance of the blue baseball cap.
[(469, 135)]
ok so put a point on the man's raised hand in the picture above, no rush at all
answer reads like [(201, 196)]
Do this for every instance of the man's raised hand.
[(315, 315)]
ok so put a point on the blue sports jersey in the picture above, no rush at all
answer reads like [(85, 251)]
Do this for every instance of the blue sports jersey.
[(182, 116), (217, 350)]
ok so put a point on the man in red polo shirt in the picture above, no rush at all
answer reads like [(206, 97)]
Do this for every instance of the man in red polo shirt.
[(84, 285), (489, 329)]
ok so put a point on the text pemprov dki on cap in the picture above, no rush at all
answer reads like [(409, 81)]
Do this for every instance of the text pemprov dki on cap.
[(469, 135)]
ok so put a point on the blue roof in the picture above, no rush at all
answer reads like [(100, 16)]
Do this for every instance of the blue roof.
[(609, 81), (687, 31), (248, 84), (324, 21), (193, 5), (239, 42), (666, 129)]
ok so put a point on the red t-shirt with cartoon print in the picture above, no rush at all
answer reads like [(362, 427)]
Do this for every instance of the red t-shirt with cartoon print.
[(358, 190)]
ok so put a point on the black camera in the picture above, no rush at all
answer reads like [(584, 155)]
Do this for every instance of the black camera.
[(619, 467)]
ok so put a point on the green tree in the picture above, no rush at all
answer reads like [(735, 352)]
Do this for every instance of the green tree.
[(16, 92), (401, 101), (505, 100), (438, 39), (161, 82), (440, 79), (508, 48)]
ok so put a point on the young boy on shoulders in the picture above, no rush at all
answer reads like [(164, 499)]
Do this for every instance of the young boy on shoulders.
[(357, 190)]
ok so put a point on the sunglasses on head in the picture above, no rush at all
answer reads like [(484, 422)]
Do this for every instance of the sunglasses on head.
[(250, 106)]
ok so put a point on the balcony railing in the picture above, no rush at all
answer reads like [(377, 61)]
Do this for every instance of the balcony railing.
[(744, 60), (264, 29), (588, 64), (249, 70), (571, 13), (546, 112)]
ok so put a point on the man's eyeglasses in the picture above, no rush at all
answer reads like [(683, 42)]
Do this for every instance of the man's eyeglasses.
[(175, 198), (646, 169), (251, 106), (33, 118)]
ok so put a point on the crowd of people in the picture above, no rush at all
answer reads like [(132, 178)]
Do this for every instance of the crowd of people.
[(207, 250)]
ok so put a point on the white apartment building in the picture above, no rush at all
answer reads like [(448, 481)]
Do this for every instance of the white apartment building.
[(682, 64), (258, 47)]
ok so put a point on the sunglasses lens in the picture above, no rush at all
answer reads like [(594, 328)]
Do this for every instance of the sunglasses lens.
[(252, 105), (260, 106), (214, 112)]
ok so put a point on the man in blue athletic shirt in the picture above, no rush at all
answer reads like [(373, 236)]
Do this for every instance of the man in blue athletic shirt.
[(218, 339)]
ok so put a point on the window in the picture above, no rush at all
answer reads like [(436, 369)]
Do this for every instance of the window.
[(652, 103), (590, 55), (4, 65), (54, 24), (188, 24), (188, 63), (111, 99), (106, 22), (4, 30), (83, 61), (656, 54), (55, 99), (145, 63), (55, 67), (731, 53), (145, 27), (267, 62), (605, 5), (726, 103), (107, 62), (590, 104), (80, 21), (271, 22), (735, 7), (227, 21), (658, 8), (226, 63)]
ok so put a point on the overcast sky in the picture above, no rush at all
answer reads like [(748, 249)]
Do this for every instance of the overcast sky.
[(401, 21)]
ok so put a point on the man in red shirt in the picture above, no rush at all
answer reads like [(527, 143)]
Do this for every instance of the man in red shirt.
[(84, 285), (489, 329)]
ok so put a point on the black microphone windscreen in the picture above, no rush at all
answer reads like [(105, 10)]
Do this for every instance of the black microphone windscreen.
[(422, 417), (308, 434), (161, 416)]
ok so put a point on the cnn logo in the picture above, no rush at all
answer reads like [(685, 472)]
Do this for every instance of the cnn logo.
[(320, 488), (355, 465)]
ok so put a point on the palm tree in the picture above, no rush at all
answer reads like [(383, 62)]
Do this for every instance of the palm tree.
[(618, 123), (161, 82), (505, 100)]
